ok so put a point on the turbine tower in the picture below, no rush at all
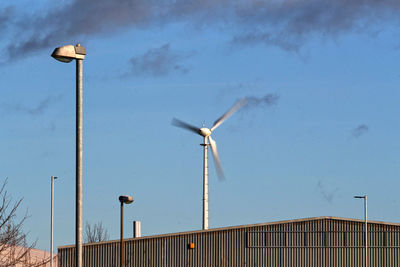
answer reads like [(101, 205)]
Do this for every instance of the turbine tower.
[(208, 141)]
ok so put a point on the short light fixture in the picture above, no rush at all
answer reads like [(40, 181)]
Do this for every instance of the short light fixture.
[(124, 199), (366, 227)]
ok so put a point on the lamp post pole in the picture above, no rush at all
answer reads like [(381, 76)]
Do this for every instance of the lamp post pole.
[(121, 246), (366, 227), (51, 220), (366, 231), (126, 200), (79, 142), (67, 54)]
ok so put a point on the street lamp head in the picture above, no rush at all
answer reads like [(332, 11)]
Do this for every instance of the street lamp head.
[(359, 196), (68, 53), (125, 199)]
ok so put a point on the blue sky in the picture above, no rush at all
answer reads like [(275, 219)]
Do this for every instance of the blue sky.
[(331, 134)]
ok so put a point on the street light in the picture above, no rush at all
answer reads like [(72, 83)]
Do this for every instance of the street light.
[(366, 227), (51, 220), (67, 54), (126, 200)]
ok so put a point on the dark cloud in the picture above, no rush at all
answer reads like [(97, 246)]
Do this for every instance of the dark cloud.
[(78, 19), (52, 126), (284, 23), (288, 24), (326, 194), (266, 38), (158, 62), (360, 130), (6, 15), (33, 110), (37, 109), (264, 101)]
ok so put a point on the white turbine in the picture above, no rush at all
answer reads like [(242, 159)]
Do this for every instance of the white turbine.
[(206, 133)]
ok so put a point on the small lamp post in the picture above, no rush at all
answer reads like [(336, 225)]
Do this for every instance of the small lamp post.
[(67, 54), (126, 200), (51, 220), (366, 227)]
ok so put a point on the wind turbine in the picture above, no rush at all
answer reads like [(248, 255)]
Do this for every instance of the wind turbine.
[(206, 134)]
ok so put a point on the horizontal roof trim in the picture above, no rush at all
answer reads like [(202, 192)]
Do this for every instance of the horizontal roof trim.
[(241, 227)]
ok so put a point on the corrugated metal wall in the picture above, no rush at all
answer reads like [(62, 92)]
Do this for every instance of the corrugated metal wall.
[(319, 242)]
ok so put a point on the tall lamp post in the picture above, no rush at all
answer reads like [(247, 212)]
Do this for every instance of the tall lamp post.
[(366, 227), (126, 200), (51, 220), (67, 54)]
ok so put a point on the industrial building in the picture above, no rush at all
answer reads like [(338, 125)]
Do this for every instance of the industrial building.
[(319, 241)]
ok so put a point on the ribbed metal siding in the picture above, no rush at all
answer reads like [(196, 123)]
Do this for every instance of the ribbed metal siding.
[(325, 242)]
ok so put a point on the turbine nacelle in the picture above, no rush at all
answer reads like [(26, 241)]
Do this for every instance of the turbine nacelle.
[(204, 132)]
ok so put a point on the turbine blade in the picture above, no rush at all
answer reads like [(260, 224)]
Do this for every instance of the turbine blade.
[(185, 125), (239, 104), (218, 165)]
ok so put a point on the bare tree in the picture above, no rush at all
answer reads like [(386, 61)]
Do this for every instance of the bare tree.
[(14, 249), (95, 233)]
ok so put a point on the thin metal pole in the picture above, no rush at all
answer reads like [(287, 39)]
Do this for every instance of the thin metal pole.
[(205, 185), (366, 231), (79, 103), (51, 220), (121, 246)]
